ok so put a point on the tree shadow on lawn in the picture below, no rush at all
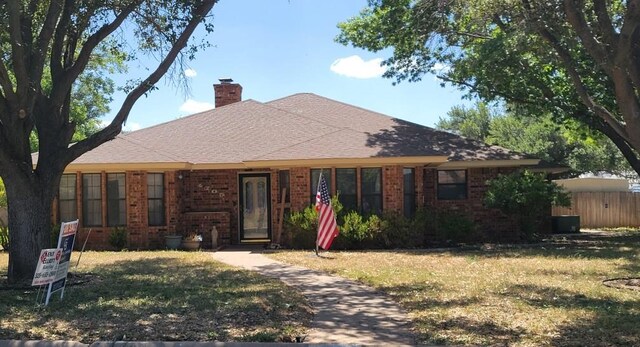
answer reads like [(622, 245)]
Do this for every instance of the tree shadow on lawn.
[(415, 297), (610, 322), (165, 299), (458, 330), (586, 246)]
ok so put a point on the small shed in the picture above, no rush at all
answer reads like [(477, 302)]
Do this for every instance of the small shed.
[(601, 202), (594, 184)]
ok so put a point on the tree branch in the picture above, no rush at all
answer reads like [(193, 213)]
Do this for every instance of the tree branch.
[(5, 83), (63, 83), (631, 22), (576, 80), (576, 18), (47, 31), (110, 131), (474, 88), (624, 147), (55, 60), (609, 35), (634, 61), (18, 54)]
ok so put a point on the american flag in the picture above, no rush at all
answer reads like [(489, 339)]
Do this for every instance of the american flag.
[(327, 226)]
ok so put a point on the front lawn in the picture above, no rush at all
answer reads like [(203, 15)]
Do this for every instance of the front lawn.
[(157, 296), (550, 294)]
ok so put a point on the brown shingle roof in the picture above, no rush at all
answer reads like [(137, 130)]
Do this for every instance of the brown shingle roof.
[(301, 126), (391, 136)]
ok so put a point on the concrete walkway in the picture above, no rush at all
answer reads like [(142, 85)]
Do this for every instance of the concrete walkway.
[(345, 312)]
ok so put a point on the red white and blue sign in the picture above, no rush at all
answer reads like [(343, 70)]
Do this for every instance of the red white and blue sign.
[(47, 267), (66, 241)]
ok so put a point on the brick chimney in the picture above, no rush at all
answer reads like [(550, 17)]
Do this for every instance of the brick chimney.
[(227, 92)]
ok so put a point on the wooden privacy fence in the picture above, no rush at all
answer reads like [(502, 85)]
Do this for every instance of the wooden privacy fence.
[(603, 209)]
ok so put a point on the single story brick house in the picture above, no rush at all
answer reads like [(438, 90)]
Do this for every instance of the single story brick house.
[(228, 167)]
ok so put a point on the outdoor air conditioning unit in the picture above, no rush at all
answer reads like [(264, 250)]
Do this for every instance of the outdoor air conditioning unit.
[(565, 224)]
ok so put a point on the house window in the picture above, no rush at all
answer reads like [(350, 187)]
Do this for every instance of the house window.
[(283, 179), (155, 198), (346, 188), (371, 200), (116, 200), (67, 202), (452, 185), (315, 177), (91, 200), (409, 193)]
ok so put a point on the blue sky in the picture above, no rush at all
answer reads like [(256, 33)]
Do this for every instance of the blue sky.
[(277, 48)]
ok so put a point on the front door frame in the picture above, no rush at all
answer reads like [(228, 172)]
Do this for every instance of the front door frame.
[(242, 175)]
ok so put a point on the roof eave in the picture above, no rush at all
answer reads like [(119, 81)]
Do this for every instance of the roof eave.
[(463, 164), (113, 167), (346, 162)]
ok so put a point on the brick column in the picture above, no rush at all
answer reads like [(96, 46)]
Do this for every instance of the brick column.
[(419, 182), (137, 228), (300, 187), (392, 182)]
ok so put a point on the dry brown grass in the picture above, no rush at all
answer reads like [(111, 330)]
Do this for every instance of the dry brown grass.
[(158, 296), (550, 294)]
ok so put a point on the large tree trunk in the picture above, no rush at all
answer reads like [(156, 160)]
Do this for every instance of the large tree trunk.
[(29, 210)]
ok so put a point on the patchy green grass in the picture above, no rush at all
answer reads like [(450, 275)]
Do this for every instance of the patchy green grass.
[(157, 296), (544, 295)]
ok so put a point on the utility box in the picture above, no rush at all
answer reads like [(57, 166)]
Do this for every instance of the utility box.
[(565, 224)]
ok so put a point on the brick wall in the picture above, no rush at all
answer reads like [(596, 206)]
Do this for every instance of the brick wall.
[(197, 200), (203, 223), (392, 188), (136, 186), (300, 188), (140, 235), (217, 191), (491, 222), (211, 191), (419, 180)]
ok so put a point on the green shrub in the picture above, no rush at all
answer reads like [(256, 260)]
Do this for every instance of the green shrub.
[(4, 237), (118, 238), (3, 195), (526, 196), (358, 232), (399, 231), (302, 227), (453, 227), (55, 235)]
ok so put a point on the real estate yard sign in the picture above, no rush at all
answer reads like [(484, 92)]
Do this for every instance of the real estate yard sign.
[(47, 266), (65, 242)]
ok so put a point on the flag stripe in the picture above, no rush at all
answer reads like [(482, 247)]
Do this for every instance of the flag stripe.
[(327, 226)]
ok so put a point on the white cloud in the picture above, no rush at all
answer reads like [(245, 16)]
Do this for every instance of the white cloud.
[(192, 106), (190, 73), (441, 68), (355, 67), (132, 126)]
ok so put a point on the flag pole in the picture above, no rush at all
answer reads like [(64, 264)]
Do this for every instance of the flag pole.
[(318, 229)]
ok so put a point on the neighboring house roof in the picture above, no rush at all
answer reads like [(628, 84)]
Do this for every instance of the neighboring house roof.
[(594, 184), (294, 128)]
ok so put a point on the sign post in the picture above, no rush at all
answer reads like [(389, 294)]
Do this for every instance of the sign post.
[(66, 241)]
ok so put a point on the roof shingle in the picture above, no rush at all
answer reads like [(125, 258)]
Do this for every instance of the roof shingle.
[(301, 126)]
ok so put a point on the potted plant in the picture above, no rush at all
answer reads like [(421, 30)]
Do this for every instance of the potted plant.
[(172, 241), (192, 241)]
